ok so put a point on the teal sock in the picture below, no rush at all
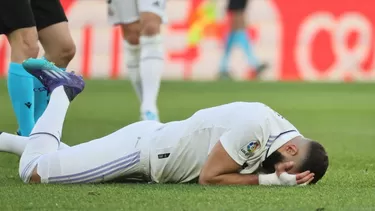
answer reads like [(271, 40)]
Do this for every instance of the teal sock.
[(41, 98), (244, 41), (228, 47), (20, 89)]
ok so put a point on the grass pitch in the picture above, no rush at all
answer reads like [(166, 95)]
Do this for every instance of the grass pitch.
[(341, 116)]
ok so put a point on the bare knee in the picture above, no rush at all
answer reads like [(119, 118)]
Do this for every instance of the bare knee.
[(58, 43), (67, 52), (35, 178), (31, 177), (24, 44), (62, 54), (131, 32), (150, 24)]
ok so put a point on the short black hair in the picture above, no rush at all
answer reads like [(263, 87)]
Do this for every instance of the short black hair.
[(316, 161)]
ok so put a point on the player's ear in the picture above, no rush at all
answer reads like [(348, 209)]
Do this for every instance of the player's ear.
[(291, 149)]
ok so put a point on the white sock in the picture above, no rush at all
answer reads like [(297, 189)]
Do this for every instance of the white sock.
[(151, 68), (52, 120), (13, 143), (132, 57), (16, 144), (45, 137)]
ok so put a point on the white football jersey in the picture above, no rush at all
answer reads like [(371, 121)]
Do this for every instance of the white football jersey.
[(249, 132)]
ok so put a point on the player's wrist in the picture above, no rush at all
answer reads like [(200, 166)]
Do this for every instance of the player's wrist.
[(287, 179), (269, 179)]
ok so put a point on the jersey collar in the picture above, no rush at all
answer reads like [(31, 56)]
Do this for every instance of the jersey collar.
[(275, 142)]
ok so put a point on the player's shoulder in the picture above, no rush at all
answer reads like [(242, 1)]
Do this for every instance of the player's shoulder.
[(249, 115), (249, 109), (250, 106)]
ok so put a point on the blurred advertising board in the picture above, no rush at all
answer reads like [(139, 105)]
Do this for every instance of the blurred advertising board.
[(316, 40)]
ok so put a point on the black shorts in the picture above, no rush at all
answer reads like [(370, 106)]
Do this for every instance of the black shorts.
[(237, 5), (17, 14)]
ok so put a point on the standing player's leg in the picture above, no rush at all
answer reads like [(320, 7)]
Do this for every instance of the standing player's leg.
[(55, 37), (132, 55), (143, 51), (125, 14), (152, 15), (53, 31), (238, 36), (17, 23)]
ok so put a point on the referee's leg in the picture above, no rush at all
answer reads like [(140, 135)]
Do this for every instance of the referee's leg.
[(236, 35), (19, 26), (55, 37), (237, 8), (53, 30)]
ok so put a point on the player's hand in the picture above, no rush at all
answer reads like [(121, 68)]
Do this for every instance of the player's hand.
[(283, 167), (303, 178)]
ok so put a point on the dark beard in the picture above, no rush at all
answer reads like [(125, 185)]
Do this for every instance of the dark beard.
[(268, 165)]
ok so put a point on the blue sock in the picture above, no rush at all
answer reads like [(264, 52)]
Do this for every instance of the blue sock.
[(20, 88), (228, 47), (41, 98), (244, 41)]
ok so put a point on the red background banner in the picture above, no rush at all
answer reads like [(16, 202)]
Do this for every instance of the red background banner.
[(301, 40)]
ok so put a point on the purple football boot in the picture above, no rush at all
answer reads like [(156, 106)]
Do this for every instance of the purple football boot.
[(52, 78)]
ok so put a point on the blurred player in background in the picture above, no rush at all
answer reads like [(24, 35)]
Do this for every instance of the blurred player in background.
[(140, 22), (24, 22), (238, 36)]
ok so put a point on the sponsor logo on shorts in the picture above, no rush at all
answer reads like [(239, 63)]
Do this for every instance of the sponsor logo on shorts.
[(28, 104), (162, 156)]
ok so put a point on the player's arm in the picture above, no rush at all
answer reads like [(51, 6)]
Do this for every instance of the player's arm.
[(221, 169), (226, 158)]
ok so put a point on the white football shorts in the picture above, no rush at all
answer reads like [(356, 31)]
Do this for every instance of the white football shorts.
[(127, 11)]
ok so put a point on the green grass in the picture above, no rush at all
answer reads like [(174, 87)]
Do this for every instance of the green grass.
[(341, 116)]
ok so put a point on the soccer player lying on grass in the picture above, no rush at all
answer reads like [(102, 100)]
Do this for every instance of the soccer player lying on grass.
[(236, 143)]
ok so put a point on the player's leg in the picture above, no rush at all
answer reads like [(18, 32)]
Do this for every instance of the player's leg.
[(16, 144), (100, 160), (238, 36), (17, 23), (132, 55), (125, 14), (152, 15), (118, 155), (53, 31), (55, 37), (45, 136), (113, 156), (237, 33), (12, 143)]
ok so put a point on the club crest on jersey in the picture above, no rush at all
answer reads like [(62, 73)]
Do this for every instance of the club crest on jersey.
[(249, 149)]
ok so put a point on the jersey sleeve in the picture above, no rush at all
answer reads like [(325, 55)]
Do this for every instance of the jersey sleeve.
[(241, 143)]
